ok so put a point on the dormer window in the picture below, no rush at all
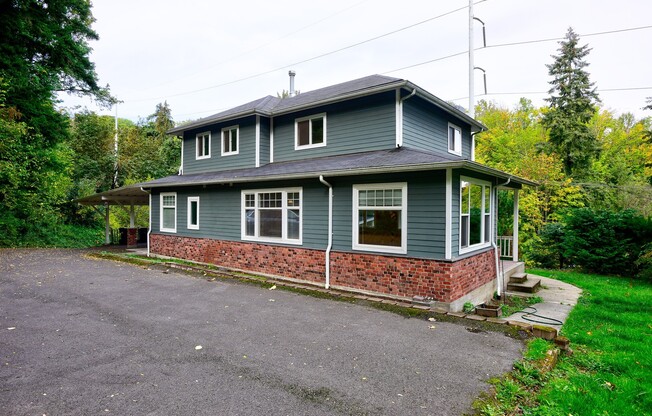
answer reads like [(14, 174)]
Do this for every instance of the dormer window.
[(310, 131), (230, 141), (454, 139), (203, 145)]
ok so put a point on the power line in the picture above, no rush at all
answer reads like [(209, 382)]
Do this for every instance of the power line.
[(547, 92), (312, 58)]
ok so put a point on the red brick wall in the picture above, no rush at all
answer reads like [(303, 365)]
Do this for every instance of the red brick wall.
[(401, 276)]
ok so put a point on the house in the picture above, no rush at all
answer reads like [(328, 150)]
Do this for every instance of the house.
[(368, 185)]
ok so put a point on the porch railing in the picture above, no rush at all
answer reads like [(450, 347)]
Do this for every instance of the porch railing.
[(505, 246)]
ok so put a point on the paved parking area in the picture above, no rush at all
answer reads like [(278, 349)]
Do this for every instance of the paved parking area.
[(86, 337)]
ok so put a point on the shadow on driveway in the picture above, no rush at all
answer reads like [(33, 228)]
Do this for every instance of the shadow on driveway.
[(98, 337)]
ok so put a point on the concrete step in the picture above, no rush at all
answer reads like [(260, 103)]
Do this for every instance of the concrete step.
[(528, 286), (518, 278)]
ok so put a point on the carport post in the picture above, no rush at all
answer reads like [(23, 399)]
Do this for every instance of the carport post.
[(515, 241), (107, 228), (132, 215)]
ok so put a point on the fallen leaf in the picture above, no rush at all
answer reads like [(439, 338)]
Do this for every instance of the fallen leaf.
[(198, 347), (273, 287), (11, 328), (431, 319), (272, 300), (432, 327)]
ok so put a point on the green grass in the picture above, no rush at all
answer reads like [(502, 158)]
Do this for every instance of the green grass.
[(514, 304), (610, 370)]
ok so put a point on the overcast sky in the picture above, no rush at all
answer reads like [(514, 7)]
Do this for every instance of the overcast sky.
[(207, 56)]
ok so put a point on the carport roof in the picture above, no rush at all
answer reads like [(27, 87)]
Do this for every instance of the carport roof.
[(127, 195)]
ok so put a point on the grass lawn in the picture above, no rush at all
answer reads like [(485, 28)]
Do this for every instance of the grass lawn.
[(610, 371)]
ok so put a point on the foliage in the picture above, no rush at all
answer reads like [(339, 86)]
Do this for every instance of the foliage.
[(572, 104), (603, 241), (644, 263), (548, 249)]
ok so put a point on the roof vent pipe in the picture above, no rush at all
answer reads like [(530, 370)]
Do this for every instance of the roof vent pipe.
[(292, 74)]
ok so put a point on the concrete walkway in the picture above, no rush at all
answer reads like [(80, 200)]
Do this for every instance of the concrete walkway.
[(559, 299)]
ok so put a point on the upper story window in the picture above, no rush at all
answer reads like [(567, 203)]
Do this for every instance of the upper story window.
[(454, 139), (193, 213), (475, 214), (230, 140), (203, 145), (310, 131), (272, 215), (168, 217), (380, 217)]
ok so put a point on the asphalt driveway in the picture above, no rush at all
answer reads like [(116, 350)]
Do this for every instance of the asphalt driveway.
[(87, 337)]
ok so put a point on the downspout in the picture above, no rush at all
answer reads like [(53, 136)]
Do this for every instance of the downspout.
[(399, 115), (494, 237), (330, 230), (149, 230)]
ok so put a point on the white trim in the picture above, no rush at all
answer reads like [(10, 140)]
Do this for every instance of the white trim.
[(399, 119), (257, 141), (515, 228), (271, 140), (448, 226), (191, 226), (455, 151), (472, 147), (284, 207), (376, 248), (310, 145), (482, 244), (210, 145), (160, 224), (237, 141)]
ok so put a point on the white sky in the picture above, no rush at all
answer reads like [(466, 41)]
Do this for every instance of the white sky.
[(155, 50)]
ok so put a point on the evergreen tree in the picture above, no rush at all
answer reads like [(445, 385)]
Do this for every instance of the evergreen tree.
[(573, 102)]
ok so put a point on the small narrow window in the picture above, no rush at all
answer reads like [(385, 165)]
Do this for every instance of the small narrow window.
[(454, 139), (193, 213), (475, 214), (230, 141), (310, 132), (203, 141), (168, 218)]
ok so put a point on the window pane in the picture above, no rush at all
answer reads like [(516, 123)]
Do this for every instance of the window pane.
[(464, 235), (234, 140), (487, 200), (487, 228), (293, 199), (168, 217), (475, 226), (451, 138), (293, 224), (465, 198), (271, 224), (250, 200), (270, 200), (381, 228), (200, 147), (303, 130), (193, 212), (250, 222), (226, 141), (168, 200), (206, 142), (317, 130)]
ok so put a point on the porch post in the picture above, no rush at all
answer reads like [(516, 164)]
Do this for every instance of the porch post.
[(107, 228), (515, 242), (132, 215)]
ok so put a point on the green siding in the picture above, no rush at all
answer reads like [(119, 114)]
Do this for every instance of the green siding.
[(246, 157), (425, 127), (264, 141), (359, 125)]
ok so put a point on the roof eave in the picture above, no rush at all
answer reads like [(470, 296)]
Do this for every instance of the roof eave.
[(354, 172), (206, 122)]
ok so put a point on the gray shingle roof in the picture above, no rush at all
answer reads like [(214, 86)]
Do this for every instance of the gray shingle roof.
[(379, 161)]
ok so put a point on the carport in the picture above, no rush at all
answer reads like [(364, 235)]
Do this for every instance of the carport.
[(126, 197)]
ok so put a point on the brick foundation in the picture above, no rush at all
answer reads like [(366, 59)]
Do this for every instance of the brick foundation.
[(400, 276)]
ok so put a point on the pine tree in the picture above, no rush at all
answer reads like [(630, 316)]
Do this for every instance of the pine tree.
[(573, 100)]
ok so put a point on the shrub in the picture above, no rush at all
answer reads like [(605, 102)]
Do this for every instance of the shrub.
[(547, 249), (644, 263)]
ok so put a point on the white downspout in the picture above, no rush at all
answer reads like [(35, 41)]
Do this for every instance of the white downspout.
[(330, 230), (149, 230), (494, 236)]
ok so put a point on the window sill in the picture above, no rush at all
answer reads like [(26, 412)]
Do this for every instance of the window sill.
[(474, 248), (230, 153), (202, 157), (380, 249), (309, 146), (168, 230), (272, 240), (455, 153)]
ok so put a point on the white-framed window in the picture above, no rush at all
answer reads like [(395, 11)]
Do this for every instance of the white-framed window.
[(230, 141), (310, 131), (203, 145), (454, 139), (272, 215), (475, 214), (380, 217), (193, 213), (168, 220)]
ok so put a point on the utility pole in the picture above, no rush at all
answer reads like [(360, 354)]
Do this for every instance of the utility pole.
[(115, 149), (471, 63)]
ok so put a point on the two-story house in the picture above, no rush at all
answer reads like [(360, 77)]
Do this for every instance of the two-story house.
[(368, 185)]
